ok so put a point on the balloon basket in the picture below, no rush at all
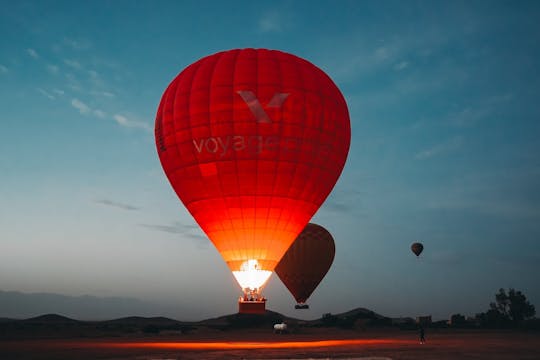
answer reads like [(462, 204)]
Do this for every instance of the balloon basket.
[(251, 306), (301, 306)]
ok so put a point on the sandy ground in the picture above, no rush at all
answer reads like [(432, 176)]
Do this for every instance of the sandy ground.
[(262, 344)]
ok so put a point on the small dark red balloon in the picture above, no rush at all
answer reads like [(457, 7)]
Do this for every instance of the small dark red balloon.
[(307, 261), (417, 248)]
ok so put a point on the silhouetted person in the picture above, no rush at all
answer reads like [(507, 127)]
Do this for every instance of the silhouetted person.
[(421, 333)]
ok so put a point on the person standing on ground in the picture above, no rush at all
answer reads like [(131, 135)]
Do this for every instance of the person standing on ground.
[(422, 338)]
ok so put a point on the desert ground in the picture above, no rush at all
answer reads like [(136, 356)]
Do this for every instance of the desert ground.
[(314, 343)]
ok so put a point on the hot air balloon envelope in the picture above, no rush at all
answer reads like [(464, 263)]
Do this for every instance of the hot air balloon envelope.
[(417, 248), (306, 262), (252, 141)]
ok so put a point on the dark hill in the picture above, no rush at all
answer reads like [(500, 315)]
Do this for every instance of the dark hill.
[(235, 321), (358, 317), (58, 326), (361, 313), (143, 321), (50, 319)]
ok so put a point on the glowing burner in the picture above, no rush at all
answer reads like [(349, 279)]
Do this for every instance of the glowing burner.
[(251, 278)]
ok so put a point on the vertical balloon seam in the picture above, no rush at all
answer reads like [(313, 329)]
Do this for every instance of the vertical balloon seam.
[(297, 278), (259, 249), (299, 63), (297, 157), (261, 221), (301, 202), (240, 221), (280, 58), (202, 200), (238, 72), (175, 125), (275, 189), (250, 199), (327, 264), (159, 131), (274, 63), (235, 158), (270, 196), (172, 91), (274, 56), (226, 199), (285, 279), (310, 279), (233, 232), (296, 160), (313, 160), (214, 60), (194, 68)]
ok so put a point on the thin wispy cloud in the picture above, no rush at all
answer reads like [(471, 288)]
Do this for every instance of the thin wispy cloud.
[(73, 64), (121, 120), (271, 22), (100, 114), (3, 69), (501, 99), (46, 93), (173, 229), (382, 53), (97, 81), (92, 84), (178, 228), (76, 44), (73, 83), (106, 94), (53, 69), (469, 116), (338, 205), (32, 53), (116, 204), (401, 65), (345, 201), (367, 57), (58, 92), (82, 107), (124, 121), (475, 113), (87, 110), (442, 148)]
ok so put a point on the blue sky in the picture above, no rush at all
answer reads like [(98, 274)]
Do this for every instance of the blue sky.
[(443, 98)]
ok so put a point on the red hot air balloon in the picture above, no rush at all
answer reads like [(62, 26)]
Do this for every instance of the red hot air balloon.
[(306, 262), (252, 141)]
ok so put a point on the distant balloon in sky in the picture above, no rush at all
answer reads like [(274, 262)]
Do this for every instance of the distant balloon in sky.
[(252, 141), (417, 248), (306, 262)]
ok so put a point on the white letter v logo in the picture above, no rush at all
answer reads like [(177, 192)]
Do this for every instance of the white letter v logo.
[(255, 106)]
